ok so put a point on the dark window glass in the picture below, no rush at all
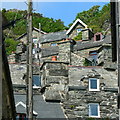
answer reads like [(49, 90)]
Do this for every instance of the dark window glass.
[(93, 83), (94, 57), (97, 37), (93, 109), (36, 80)]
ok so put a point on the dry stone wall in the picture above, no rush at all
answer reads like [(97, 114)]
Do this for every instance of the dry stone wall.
[(79, 96), (54, 78)]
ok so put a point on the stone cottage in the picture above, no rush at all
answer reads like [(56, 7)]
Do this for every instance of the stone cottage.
[(21, 49), (76, 27), (89, 88), (79, 27), (79, 74), (92, 93)]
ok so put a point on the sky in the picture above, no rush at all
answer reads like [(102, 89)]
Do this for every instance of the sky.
[(66, 11)]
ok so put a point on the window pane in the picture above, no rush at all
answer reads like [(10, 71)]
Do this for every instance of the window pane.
[(93, 84), (36, 80), (54, 44), (93, 110)]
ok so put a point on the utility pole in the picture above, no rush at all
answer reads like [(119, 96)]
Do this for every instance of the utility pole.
[(115, 32), (117, 9), (118, 14), (39, 47), (29, 63), (39, 41)]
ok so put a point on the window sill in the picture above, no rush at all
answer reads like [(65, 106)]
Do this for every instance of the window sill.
[(94, 116), (94, 90)]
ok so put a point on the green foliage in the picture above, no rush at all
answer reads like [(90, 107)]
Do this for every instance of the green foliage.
[(96, 18), (72, 106), (86, 63), (47, 24), (78, 37), (10, 45)]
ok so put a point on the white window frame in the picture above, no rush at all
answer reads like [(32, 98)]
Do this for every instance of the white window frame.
[(98, 85), (98, 109)]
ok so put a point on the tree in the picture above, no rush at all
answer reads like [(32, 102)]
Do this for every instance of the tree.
[(95, 18), (10, 45), (47, 24)]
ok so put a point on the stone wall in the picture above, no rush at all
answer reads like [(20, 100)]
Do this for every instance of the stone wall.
[(45, 45), (54, 78), (74, 31), (17, 73), (79, 96), (78, 57), (77, 75), (78, 100), (104, 56), (64, 52), (24, 38), (19, 56)]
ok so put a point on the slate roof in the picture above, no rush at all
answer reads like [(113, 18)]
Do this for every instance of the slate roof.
[(24, 34), (21, 108), (41, 107), (51, 37), (90, 44), (53, 50)]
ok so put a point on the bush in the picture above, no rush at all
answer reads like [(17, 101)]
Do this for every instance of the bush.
[(78, 37), (10, 45)]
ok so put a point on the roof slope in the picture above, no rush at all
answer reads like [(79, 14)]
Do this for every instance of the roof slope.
[(24, 34), (21, 108), (53, 50), (43, 108), (85, 45), (77, 21), (51, 37)]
